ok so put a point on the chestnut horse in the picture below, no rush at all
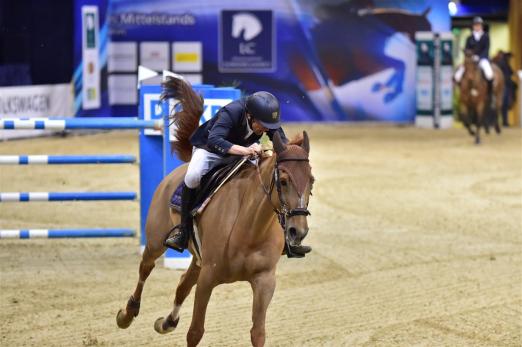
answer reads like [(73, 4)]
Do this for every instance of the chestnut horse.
[(474, 105), (241, 236)]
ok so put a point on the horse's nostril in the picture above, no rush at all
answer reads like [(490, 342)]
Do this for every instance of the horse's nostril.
[(293, 233)]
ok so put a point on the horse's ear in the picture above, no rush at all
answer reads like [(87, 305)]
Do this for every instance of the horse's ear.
[(306, 142), (278, 143)]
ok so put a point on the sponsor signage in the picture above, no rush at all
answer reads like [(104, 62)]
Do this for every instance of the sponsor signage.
[(122, 57), (90, 53), (52, 100), (247, 41)]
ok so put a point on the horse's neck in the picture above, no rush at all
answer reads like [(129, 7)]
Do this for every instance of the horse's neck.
[(259, 208)]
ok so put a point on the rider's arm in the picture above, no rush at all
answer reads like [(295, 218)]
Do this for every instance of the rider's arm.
[(217, 137), (469, 44), (484, 48), (240, 150)]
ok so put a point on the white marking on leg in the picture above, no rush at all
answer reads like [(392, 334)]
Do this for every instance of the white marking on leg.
[(175, 311)]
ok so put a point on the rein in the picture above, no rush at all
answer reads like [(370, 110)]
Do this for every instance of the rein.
[(283, 213)]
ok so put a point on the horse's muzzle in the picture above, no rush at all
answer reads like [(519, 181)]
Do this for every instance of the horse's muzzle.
[(294, 236)]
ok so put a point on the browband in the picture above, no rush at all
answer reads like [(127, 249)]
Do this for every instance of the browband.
[(292, 159)]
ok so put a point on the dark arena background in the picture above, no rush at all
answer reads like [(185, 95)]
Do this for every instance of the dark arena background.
[(415, 229)]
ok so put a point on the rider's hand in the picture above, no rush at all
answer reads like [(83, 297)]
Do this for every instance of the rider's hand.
[(256, 147), (240, 150)]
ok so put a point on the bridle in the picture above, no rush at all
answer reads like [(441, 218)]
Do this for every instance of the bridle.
[(283, 212)]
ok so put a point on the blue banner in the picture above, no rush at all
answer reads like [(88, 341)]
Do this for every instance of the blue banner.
[(326, 60)]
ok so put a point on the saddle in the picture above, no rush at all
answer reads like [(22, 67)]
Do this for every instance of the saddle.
[(211, 182)]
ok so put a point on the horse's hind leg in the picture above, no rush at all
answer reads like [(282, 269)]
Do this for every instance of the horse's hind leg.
[(498, 107), (125, 316), (188, 280)]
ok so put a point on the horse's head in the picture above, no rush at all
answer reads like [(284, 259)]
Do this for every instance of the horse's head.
[(470, 85), (293, 180), (469, 62)]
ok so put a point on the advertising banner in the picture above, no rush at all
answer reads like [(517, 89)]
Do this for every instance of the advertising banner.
[(326, 60), (52, 100), (90, 56)]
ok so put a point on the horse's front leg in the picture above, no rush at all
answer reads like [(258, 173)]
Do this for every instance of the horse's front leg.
[(465, 117), (481, 120), (467, 124), (206, 282), (263, 286)]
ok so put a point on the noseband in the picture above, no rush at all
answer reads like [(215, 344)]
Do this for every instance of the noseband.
[(283, 212)]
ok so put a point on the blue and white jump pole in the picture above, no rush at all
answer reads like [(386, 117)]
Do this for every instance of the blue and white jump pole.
[(65, 124), (156, 160), (66, 159), (78, 123), (64, 233), (66, 196)]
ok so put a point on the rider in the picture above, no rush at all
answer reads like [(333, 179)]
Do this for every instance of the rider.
[(478, 43), (234, 130)]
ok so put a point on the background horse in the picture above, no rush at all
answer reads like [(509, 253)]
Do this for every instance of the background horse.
[(241, 238), (474, 105)]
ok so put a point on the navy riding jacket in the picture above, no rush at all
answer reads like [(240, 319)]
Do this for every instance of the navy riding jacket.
[(228, 127), (480, 47)]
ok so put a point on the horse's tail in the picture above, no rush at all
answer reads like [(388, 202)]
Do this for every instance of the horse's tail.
[(185, 121)]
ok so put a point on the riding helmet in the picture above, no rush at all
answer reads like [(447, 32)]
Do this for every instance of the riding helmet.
[(264, 107), (478, 20)]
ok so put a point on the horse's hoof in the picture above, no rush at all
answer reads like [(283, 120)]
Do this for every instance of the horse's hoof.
[(123, 319), (164, 326)]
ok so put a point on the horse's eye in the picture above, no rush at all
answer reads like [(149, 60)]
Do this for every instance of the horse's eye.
[(284, 183)]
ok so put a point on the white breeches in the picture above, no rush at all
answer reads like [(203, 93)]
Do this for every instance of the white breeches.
[(459, 73), (201, 163), (484, 65)]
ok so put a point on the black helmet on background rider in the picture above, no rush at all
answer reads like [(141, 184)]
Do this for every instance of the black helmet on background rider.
[(478, 20), (264, 107)]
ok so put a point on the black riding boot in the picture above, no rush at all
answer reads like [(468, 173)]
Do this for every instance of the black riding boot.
[(180, 234)]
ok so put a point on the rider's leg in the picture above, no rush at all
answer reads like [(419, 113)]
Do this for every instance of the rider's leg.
[(201, 162), (488, 73), (459, 73)]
